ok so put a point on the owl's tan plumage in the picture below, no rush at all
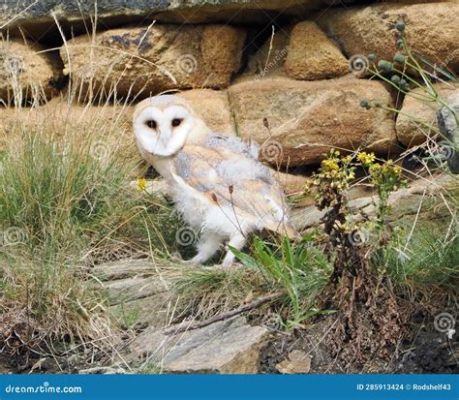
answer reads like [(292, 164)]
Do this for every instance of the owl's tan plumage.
[(216, 182), (200, 168)]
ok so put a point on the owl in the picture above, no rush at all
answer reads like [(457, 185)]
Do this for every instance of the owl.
[(215, 181)]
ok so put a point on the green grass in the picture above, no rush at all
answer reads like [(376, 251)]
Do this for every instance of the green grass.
[(63, 205), (430, 259), (204, 292), (300, 270)]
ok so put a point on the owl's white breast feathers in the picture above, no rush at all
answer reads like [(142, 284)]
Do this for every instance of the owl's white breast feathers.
[(227, 189)]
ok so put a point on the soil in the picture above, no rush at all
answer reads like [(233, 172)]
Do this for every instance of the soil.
[(428, 352)]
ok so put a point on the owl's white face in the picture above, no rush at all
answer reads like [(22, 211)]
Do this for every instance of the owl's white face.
[(163, 131)]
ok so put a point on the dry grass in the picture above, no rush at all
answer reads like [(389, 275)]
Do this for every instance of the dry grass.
[(65, 202)]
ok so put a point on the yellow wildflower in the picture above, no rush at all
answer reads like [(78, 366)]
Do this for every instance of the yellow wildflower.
[(141, 184), (397, 170), (366, 158), (329, 165)]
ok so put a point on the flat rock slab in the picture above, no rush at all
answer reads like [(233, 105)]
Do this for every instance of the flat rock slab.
[(125, 290), (134, 289), (419, 195), (123, 269), (152, 311), (230, 346)]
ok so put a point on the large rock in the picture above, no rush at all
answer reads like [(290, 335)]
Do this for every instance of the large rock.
[(311, 55), (301, 51), (297, 122), (431, 30), (230, 346), (417, 119), (146, 61), (26, 73), (213, 107), (35, 17)]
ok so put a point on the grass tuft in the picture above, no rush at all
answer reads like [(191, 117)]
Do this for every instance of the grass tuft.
[(66, 205)]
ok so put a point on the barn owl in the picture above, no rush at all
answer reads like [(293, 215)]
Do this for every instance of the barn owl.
[(215, 181)]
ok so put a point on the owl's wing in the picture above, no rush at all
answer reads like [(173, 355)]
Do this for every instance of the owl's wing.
[(236, 183), (234, 144)]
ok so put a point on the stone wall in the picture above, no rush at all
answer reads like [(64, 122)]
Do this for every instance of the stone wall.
[(278, 72)]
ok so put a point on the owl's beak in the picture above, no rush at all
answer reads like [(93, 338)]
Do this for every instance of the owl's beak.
[(164, 137)]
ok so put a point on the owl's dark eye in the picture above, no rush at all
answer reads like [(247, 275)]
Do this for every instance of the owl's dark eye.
[(151, 123), (176, 122)]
